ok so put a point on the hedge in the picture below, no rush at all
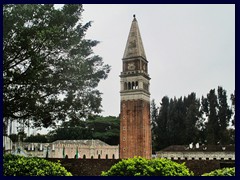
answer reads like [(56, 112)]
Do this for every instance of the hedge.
[(15, 165), (139, 166), (221, 172)]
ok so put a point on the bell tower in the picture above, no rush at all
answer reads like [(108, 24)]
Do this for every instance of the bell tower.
[(135, 128)]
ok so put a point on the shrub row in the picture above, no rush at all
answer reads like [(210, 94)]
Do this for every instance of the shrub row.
[(15, 165), (221, 172), (139, 166)]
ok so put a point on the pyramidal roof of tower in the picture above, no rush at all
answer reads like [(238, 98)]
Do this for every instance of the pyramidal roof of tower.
[(134, 46)]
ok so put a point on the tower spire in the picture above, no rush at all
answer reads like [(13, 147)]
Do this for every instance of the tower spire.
[(134, 46), (134, 17)]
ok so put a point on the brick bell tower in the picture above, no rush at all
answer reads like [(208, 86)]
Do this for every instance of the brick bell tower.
[(135, 128)]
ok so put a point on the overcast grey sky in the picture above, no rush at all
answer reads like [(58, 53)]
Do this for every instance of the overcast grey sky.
[(190, 48)]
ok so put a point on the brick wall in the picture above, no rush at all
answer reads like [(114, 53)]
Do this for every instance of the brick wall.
[(200, 167), (94, 167), (86, 167)]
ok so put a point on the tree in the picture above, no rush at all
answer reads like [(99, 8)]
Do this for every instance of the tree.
[(188, 120), (38, 138), (175, 121), (106, 129), (233, 107), (49, 70), (228, 171), (212, 125), (224, 115), (180, 122), (154, 124), (16, 165), (160, 131), (218, 115), (69, 133), (193, 116), (202, 122), (139, 166), (97, 127), (231, 131)]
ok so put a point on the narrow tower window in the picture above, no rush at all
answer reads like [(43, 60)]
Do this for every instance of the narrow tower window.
[(129, 85), (125, 86), (136, 85)]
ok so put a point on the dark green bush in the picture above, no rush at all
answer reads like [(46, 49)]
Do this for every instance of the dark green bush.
[(139, 166), (221, 172), (23, 166)]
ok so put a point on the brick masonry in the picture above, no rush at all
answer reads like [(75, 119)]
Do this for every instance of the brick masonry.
[(135, 130), (94, 167)]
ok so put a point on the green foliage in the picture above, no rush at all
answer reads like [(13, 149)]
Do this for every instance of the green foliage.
[(139, 166), (36, 138), (221, 172), (105, 129), (181, 121), (175, 122), (233, 107), (21, 166), (97, 127), (50, 72)]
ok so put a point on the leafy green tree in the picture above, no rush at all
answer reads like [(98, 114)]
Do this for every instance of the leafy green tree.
[(175, 123), (185, 120), (50, 72), (231, 130), (221, 172), (159, 129), (212, 125), (105, 129), (180, 122), (66, 132), (218, 115), (36, 138), (202, 122), (224, 115), (13, 137), (139, 166), (193, 116), (154, 123), (97, 127), (170, 122), (233, 107), (23, 166)]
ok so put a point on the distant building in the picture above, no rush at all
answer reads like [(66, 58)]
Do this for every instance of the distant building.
[(210, 152), (81, 149), (94, 149)]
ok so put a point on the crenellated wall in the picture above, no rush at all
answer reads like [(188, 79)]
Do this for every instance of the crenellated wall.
[(195, 155)]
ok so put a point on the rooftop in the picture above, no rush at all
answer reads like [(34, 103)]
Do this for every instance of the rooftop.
[(87, 142), (207, 148)]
